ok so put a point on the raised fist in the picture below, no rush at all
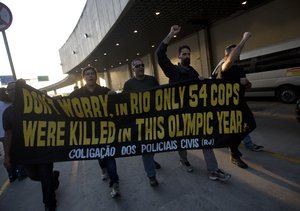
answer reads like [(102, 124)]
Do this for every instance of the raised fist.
[(175, 29), (246, 35)]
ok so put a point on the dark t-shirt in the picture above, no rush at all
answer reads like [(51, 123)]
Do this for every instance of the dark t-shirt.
[(83, 91), (133, 84), (235, 72)]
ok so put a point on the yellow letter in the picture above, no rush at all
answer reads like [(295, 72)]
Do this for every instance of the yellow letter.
[(27, 101)]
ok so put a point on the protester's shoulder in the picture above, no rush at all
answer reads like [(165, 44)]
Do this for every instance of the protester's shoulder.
[(102, 88), (128, 85), (129, 81), (77, 92), (195, 71), (150, 77)]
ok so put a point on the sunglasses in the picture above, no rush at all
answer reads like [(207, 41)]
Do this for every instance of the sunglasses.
[(139, 66)]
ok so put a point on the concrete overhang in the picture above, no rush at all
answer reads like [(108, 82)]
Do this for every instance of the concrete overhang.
[(140, 15), (192, 15)]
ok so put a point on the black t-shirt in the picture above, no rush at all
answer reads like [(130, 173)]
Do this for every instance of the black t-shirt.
[(134, 84), (235, 72), (83, 91)]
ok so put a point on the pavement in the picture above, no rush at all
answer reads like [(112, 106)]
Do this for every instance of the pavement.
[(271, 182)]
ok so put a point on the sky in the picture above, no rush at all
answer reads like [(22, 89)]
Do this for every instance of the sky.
[(38, 30)]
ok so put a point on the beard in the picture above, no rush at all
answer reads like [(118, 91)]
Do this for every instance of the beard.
[(186, 62)]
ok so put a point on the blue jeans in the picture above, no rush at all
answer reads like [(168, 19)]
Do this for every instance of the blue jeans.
[(111, 166), (209, 157), (248, 142), (149, 166), (210, 160)]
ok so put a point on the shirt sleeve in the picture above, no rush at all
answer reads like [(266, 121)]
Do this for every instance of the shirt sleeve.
[(163, 61), (74, 93), (105, 89)]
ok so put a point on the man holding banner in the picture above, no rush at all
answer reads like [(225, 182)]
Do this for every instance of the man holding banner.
[(42, 172), (141, 82), (91, 88), (231, 71), (183, 72)]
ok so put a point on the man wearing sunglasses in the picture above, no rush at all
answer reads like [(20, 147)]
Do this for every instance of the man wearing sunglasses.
[(141, 82), (182, 72)]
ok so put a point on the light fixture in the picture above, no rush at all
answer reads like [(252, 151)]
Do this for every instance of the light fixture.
[(105, 54), (95, 60), (104, 68), (111, 66), (117, 44), (137, 54), (86, 35), (73, 52), (157, 13), (175, 35), (127, 60), (135, 31), (152, 46), (244, 2), (120, 62)]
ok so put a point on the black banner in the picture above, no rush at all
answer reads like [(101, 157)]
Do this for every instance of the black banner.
[(190, 115)]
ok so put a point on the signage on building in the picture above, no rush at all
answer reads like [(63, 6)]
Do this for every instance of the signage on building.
[(5, 79), (43, 78)]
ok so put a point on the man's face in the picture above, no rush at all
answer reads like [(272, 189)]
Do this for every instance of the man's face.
[(11, 91), (228, 51), (138, 68), (185, 57), (90, 77)]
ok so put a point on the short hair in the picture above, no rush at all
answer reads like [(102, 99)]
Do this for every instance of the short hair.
[(228, 48), (182, 47), (136, 59), (89, 68)]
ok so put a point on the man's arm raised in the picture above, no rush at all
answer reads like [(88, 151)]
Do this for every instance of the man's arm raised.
[(235, 53), (175, 29)]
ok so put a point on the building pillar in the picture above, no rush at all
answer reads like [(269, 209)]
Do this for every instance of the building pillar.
[(205, 52)]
